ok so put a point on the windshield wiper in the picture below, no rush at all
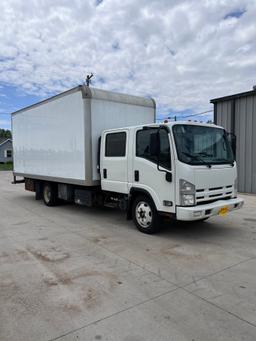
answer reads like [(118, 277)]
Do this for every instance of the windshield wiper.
[(198, 157), (225, 161)]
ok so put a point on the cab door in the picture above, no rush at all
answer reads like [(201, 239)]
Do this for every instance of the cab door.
[(114, 164), (154, 176)]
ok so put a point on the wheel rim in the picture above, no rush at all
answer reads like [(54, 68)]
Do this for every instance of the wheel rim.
[(144, 214), (47, 194)]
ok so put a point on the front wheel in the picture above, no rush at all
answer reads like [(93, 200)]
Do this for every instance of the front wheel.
[(145, 215)]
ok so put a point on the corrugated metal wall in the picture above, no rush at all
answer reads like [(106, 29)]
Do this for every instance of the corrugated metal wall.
[(244, 126), (224, 114)]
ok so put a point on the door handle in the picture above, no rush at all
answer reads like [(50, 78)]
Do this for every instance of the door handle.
[(136, 175), (105, 173)]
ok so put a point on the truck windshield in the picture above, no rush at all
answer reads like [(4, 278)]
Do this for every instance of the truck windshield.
[(200, 145)]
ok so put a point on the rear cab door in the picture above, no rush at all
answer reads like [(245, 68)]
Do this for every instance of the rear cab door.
[(114, 161)]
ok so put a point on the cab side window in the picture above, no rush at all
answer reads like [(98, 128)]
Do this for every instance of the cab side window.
[(143, 147), (115, 144)]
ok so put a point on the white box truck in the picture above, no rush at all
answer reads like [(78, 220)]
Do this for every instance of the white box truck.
[(96, 147)]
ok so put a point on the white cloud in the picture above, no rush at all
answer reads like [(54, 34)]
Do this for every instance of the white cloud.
[(183, 53)]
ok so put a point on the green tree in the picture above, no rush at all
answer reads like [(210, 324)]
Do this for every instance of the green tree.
[(5, 133)]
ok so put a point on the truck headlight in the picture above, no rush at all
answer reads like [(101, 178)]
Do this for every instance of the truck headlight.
[(187, 193)]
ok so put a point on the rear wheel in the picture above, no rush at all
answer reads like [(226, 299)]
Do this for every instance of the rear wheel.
[(145, 215), (50, 195)]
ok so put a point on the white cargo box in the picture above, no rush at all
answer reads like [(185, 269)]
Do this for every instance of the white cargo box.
[(57, 139)]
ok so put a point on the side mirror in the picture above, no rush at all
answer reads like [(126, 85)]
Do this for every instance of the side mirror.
[(232, 141), (154, 144)]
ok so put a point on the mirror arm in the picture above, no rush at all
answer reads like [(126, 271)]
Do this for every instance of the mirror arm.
[(168, 175), (158, 150)]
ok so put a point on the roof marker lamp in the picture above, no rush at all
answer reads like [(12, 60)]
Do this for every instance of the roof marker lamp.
[(187, 193)]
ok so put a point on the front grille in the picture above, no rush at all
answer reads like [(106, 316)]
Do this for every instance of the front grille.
[(212, 194), (213, 200), (215, 188)]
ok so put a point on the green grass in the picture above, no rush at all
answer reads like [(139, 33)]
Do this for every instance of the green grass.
[(6, 166)]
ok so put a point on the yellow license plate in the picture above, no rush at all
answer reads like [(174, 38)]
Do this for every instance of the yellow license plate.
[(223, 211)]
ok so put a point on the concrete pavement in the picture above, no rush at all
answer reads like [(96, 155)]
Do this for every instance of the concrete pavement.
[(73, 273)]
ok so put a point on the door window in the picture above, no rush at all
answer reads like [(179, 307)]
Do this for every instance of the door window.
[(143, 147), (115, 144)]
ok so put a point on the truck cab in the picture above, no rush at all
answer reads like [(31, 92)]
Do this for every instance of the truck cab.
[(184, 170)]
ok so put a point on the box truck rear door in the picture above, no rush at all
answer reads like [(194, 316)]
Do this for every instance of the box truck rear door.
[(114, 174)]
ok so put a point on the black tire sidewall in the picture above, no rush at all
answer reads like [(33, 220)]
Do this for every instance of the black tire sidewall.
[(53, 199), (154, 226)]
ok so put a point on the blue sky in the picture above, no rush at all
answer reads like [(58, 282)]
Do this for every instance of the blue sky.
[(12, 99), (180, 52)]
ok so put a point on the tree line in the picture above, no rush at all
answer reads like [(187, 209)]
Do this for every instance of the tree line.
[(5, 133)]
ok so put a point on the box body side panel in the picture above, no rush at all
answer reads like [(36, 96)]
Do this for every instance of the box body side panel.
[(48, 140)]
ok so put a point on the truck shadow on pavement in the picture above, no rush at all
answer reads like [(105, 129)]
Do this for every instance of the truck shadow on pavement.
[(169, 228), (196, 230)]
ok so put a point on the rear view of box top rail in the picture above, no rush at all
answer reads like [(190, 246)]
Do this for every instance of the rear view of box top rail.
[(57, 139)]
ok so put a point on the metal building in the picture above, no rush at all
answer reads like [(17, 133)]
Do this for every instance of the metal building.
[(237, 114)]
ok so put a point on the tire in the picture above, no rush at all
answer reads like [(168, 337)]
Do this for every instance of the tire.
[(144, 215), (50, 196)]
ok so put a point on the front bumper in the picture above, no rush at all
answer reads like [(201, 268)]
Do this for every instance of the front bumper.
[(204, 211)]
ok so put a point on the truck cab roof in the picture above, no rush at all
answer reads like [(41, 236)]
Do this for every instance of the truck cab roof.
[(168, 124)]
